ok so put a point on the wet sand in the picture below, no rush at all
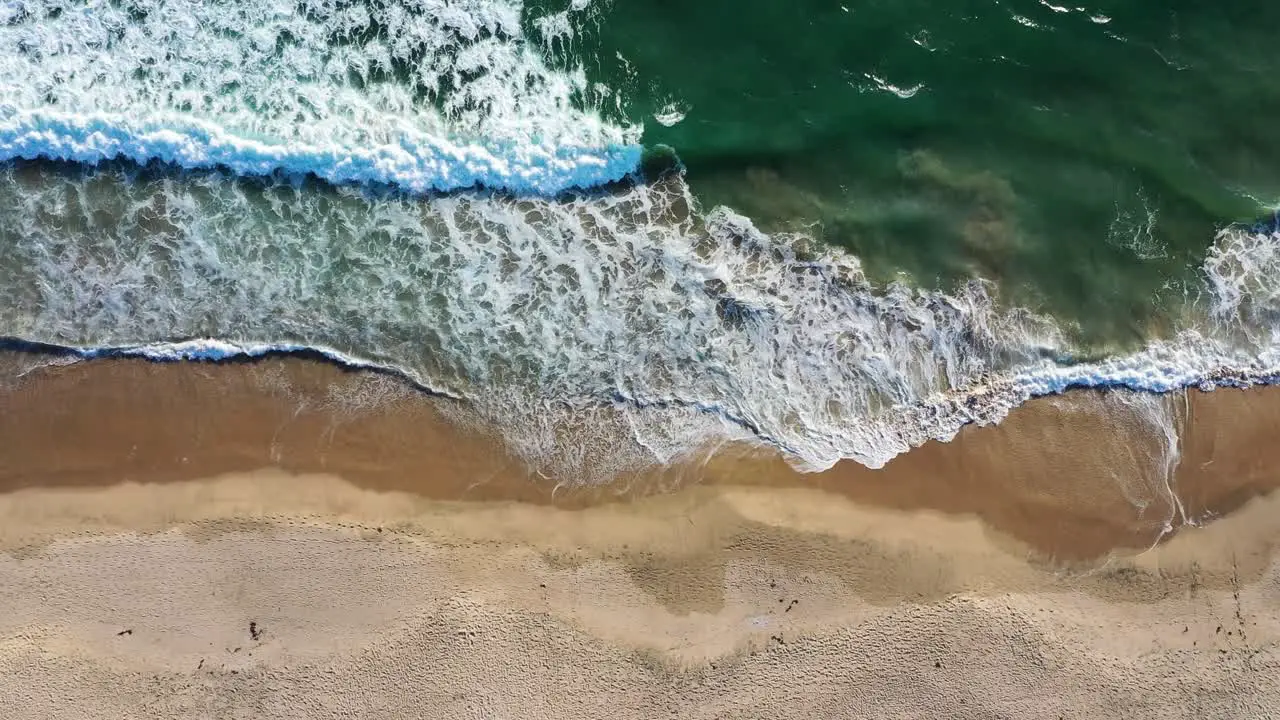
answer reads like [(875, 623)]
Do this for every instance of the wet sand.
[(246, 540)]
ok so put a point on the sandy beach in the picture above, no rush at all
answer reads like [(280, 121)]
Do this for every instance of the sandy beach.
[(284, 538)]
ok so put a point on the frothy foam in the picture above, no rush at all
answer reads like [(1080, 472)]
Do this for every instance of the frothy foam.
[(633, 300), (683, 328), (424, 94)]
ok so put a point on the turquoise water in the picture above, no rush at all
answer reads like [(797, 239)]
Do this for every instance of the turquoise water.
[(1085, 157), (890, 219)]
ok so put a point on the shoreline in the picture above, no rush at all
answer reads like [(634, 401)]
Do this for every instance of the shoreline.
[(982, 405), (1044, 477), (239, 536)]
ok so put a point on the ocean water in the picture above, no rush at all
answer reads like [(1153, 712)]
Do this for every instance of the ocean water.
[(839, 230), (1084, 154)]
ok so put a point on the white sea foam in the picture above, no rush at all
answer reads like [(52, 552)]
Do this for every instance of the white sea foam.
[(905, 93), (671, 114), (633, 299), (674, 327), (1242, 271), (425, 94)]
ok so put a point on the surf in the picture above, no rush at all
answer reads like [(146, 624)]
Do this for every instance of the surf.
[(680, 325), (628, 315), (423, 96)]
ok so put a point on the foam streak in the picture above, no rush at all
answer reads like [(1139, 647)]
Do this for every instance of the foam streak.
[(417, 164)]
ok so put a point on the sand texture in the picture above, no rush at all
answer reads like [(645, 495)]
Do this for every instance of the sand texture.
[(183, 541)]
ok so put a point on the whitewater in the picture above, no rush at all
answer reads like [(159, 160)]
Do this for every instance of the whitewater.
[(430, 189), (428, 96)]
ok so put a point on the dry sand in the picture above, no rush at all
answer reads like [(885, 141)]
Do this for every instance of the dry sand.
[(245, 541)]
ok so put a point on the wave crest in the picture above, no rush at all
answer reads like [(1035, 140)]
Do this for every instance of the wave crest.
[(429, 96)]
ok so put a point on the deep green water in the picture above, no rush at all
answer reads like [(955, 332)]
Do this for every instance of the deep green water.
[(1032, 155)]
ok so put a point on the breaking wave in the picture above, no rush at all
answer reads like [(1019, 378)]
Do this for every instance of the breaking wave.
[(426, 95), (689, 326)]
